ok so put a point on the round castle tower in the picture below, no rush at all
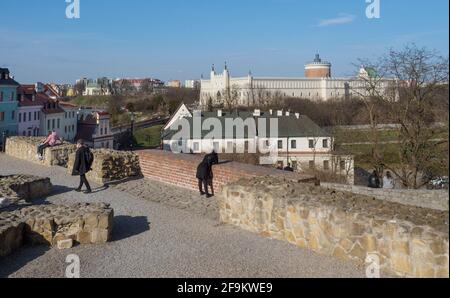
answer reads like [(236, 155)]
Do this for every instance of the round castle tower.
[(318, 68)]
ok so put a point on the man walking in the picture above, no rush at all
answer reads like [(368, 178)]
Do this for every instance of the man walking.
[(82, 165)]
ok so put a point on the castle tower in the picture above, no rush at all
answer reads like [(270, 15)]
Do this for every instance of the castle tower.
[(318, 68)]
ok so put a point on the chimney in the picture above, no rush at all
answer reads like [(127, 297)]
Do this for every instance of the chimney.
[(279, 113), (297, 115), (257, 113), (219, 113), (288, 114), (33, 97), (270, 112)]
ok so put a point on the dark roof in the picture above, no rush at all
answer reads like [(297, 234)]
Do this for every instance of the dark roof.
[(5, 78), (288, 126)]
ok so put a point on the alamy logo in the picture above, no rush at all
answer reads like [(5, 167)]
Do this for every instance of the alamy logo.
[(73, 269), (373, 9), (373, 265), (73, 9)]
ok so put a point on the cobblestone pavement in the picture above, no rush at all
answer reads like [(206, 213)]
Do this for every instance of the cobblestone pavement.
[(177, 197), (156, 240)]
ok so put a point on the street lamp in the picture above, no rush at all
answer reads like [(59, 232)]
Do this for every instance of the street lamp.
[(132, 116)]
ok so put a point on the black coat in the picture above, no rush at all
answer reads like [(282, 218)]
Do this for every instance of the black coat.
[(204, 171), (81, 165)]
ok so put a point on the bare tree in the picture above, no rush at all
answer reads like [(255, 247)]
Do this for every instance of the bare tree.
[(418, 74)]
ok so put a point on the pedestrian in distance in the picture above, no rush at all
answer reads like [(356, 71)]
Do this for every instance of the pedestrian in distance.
[(82, 165)]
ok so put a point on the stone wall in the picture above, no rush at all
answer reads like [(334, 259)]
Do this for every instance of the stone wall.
[(433, 199), (56, 225), (24, 187), (26, 148), (110, 165), (409, 241), (180, 170)]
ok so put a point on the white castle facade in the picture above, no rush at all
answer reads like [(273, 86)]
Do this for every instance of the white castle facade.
[(318, 84)]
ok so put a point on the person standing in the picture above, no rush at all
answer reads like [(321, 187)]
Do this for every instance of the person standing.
[(211, 159), (388, 181), (82, 165)]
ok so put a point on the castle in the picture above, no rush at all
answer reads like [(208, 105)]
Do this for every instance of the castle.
[(317, 84)]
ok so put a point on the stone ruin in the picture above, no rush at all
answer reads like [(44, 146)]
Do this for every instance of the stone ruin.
[(409, 241), (110, 165), (60, 226), (26, 148)]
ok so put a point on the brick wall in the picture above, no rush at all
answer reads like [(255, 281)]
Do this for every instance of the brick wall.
[(180, 170)]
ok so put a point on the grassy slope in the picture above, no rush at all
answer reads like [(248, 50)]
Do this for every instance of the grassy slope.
[(148, 137)]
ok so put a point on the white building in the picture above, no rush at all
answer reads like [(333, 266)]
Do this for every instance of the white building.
[(192, 84), (318, 84), (69, 123), (298, 141)]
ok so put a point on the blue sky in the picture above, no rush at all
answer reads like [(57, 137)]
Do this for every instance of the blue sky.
[(180, 39)]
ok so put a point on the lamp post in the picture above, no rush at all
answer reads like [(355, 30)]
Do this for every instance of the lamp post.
[(132, 129)]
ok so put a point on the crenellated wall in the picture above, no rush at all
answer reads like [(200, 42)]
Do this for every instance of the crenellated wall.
[(408, 241)]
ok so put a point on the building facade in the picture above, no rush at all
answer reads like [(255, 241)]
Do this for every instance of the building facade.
[(8, 104), (94, 128), (297, 140), (318, 84)]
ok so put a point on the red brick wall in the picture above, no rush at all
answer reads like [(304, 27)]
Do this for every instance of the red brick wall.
[(180, 169)]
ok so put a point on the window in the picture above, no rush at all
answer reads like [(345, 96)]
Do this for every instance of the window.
[(12, 96), (20, 117), (29, 133), (106, 130), (13, 115), (294, 144), (29, 116), (65, 128), (246, 146), (58, 122), (196, 147), (1, 96), (216, 146), (24, 117), (280, 144), (342, 165), (24, 133), (311, 144), (101, 131), (35, 115), (326, 165), (48, 124), (53, 123), (73, 127), (39, 115), (230, 147), (312, 164), (2, 116), (65, 115), (325, 143)]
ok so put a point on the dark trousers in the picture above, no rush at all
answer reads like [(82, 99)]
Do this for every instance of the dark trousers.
[(41, 148), (84, 181), (202, 183)]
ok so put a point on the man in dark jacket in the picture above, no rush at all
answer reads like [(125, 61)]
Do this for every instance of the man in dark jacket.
[(204, 173), (211, 159), (82, 165)]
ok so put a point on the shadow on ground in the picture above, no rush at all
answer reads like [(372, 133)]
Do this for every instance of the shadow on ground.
[(15, 261), (128, 226)]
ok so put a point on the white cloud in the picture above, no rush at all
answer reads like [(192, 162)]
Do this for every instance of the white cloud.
[(341, 19)]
